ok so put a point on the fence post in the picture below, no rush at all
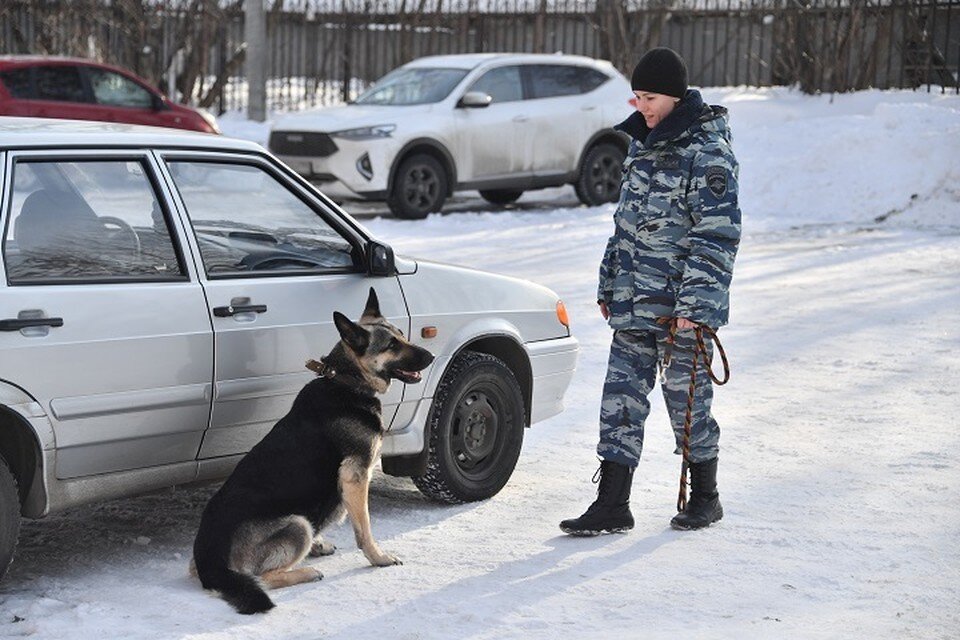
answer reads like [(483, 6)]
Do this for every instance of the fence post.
[(540, 28), (255, 35), (347, 58)]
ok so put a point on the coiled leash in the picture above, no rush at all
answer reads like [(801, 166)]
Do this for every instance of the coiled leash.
[(699, 349)]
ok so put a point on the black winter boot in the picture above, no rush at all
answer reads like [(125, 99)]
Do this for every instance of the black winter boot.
[(610, 512), (703, 508)]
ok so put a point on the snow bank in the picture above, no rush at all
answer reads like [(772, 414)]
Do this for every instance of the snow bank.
[(849, 157), (822, 159)]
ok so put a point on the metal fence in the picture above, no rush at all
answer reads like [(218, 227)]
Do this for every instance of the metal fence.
[(325, 51)]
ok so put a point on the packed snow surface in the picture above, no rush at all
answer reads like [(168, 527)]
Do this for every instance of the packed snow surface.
[(839, 468)]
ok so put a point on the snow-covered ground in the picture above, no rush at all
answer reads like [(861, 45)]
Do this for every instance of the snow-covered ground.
[(840, 461)]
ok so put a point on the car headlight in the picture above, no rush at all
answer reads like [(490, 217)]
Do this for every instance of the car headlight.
[(366, 133), (209, 119)]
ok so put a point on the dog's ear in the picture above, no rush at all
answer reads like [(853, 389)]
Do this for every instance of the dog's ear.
[(355, 336), (373, 306)]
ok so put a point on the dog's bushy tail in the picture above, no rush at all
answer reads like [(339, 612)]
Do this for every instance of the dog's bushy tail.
[(243, 592), (210, 560), (239, 589)]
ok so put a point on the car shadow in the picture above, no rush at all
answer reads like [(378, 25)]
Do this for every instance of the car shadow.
[(162, 525), (559, 198)]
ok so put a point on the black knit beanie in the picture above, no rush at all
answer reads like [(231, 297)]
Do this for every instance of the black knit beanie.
[(660, 70)]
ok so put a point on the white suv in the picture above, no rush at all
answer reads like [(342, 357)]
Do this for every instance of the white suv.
[(499, 123)]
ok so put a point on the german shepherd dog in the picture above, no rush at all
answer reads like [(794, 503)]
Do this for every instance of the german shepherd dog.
[(312, 466)]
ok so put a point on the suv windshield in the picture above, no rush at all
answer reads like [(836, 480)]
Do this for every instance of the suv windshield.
[(412, 86)]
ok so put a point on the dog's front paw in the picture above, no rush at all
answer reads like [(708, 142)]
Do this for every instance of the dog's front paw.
[(322, 549), (385, 560), (319, 576)]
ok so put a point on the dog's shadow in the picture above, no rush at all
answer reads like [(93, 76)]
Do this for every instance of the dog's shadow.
[(522, 583)]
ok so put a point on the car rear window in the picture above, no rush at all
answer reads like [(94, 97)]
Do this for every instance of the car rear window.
[(84, 221), (59, 83), (17, 82), (552, 80)]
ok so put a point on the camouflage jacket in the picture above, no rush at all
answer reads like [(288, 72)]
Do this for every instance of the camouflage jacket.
[(677, 225)]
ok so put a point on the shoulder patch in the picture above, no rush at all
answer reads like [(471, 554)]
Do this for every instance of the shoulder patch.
[(717, 178)]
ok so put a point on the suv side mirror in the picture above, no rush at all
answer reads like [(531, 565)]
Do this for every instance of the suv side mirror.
[(380, 259), (475, 100)]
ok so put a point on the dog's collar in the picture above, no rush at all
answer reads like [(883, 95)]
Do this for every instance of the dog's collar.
[(321, 368), (345, 378)]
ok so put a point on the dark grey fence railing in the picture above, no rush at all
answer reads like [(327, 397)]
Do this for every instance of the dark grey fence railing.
[(324, 51)]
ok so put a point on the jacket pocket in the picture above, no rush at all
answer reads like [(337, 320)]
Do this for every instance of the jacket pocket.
[(653, 295), (667, 197)]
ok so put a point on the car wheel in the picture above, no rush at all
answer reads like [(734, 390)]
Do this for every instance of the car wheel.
[(420, 188), (500, 196), (9, 516), (475, 430), (600, 176)]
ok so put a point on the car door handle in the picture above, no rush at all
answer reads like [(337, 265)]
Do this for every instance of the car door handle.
[(588, 107), (16, 324), (520, 118), (226, 312)]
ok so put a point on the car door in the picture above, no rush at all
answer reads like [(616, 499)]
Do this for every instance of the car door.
[(18, 83), (564, 114), (102, 319), (118, 98), (276, 266), (495, 141), (59, 92)]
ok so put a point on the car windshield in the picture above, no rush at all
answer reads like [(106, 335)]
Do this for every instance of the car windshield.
[(412, 86)]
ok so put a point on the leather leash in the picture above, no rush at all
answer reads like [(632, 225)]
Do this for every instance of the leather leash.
[(699, 350)]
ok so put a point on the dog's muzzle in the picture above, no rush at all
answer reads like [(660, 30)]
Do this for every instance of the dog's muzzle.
[(409, 377), (421, 360)]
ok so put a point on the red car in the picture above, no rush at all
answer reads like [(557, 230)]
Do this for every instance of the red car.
[(46, 87)]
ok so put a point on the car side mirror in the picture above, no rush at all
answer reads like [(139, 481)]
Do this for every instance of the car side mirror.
[(157, 103), (380, 260), (475, 100)]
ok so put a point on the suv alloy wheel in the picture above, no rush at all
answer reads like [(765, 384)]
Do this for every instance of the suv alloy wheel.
[(420, 188), (600, 175)]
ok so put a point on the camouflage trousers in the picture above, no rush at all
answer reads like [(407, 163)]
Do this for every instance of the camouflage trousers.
[(631, 374)]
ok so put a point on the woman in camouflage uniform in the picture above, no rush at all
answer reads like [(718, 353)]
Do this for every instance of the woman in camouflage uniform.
[(676, 232)]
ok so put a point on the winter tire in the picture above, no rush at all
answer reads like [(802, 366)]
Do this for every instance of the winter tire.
[(9, 516), (475, 430), (500, 196), (420, 188), (600, 175)]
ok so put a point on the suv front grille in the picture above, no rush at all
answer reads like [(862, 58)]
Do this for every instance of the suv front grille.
[(302, 143)]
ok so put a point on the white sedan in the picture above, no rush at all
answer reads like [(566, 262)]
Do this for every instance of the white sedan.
[(160, 292)]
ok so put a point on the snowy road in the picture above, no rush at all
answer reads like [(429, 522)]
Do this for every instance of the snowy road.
[(839, 459), (839, 456)]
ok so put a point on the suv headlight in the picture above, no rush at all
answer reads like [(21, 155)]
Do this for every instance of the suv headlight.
[(366, 133)]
